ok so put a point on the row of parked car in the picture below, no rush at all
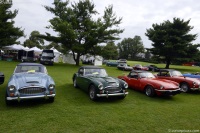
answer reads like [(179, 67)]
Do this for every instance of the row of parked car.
[(126, 67), (168, 82), (122, 65), (31, 81)]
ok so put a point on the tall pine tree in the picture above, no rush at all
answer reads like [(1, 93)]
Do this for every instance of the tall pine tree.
[(78, 31), (172, 40), (8, 32)]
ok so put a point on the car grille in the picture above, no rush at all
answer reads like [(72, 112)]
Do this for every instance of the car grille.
[(112, 84), (112, 90), (32, 90)]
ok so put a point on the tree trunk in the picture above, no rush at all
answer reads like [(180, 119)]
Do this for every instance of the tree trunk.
[(76, 58), (167, 64)]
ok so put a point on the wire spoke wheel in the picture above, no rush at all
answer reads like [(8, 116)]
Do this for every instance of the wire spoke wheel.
[(184, 87), (92, 93), (149, 91)]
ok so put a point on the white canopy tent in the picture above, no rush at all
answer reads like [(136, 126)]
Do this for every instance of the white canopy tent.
[(95, 60), (14, 47), (68, 58), (56, 54), (36, 49)]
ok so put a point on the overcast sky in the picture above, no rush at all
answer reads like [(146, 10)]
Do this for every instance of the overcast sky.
[(138, 15)]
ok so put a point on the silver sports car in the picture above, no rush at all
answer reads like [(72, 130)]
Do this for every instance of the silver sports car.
[(30, 81)]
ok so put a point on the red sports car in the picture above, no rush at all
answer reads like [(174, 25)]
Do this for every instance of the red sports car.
[(140, 67), (186, 83), (147, 82)]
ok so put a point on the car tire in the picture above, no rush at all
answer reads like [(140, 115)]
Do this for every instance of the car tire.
[(92, 93), (184, 87), (149, 91), (74, 83), (51, 99)]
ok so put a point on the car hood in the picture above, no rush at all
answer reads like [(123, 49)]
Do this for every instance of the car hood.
[(105, 80), (165, 83), (29, 79)]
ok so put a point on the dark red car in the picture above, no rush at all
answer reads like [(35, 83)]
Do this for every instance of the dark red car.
[(147, 82), (140, 67), (186, 83)]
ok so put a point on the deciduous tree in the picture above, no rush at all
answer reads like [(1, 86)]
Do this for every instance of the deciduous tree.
[(109, 51), (130, 47), (34, 40)]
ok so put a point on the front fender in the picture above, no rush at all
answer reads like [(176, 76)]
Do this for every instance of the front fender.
[(12, 81), (95, 83)]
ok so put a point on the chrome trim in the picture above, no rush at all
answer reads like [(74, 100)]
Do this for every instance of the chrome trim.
[(115, 94), (30, 87), (195, 89), (112, 87), (30, 97), (168, 90)]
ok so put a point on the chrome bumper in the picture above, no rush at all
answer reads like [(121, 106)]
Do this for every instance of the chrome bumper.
[(114, 94), (30, 97), (195, 89), (168, 90)]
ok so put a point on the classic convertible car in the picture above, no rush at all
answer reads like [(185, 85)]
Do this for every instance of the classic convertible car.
[(192, 75), (1, 78), (30, 81), (186, 83), (97, 83), (112, 63), (124, 67), (153, 68), (145, 81), (140, 67)]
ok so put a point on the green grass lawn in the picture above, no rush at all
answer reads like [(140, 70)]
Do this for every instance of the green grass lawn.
[(73, 111)]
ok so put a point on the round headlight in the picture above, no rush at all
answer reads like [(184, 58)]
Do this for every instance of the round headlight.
[(100, 86), (11, 88), (125, 85), (51, 87), (117, 84)]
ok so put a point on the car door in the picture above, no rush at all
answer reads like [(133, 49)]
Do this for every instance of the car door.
[(133, 80), (80, 78), (84, 80)]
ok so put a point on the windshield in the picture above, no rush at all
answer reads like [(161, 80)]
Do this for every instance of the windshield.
[(29, 68), (146, 75), (176, 73), (47, 54), (97, 72)]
